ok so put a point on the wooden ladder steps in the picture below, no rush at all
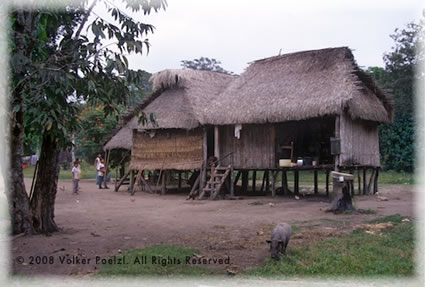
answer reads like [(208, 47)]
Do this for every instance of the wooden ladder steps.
[(213, 186)]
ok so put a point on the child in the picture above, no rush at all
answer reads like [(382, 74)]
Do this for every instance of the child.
[(75, 177), (101, 172)]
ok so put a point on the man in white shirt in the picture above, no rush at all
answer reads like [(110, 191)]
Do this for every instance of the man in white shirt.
[(96, 166)]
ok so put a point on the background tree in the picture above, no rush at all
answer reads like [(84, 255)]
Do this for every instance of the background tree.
[(398, 77), (55, 68), (205, 64)]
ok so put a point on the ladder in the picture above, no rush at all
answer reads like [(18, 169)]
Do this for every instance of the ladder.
[(213, 186)]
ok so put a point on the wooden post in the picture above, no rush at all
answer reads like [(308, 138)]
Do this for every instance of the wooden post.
[(274, 173), (337, 135), (285, 182), (364, 180), (204, 161), (116, 179), (296, 182), (375, 183), (146, 184), (232, 186), (238, 175), (195, 188), (180, 180), (316, 189), (371, 179), (216, 143), (163, 185), (244, 181), (267, 181), (263, 182), (254, 177), (108, 152), (327, 182), (131, 181), (359, 181)]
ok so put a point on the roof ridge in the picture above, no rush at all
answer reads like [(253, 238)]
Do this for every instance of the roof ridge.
[(277, 57)]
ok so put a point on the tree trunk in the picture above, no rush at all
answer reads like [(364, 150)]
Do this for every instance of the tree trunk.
[(43, 200), (18, 198), (342, 197)]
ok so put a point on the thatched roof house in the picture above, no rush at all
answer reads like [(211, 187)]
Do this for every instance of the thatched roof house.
[(304, 97)]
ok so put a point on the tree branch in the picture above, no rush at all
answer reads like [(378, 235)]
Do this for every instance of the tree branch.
[(85, 19)]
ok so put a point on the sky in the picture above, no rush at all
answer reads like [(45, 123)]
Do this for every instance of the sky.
[(238, 32)]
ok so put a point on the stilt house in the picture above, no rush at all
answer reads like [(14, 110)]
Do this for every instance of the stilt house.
[(313, 106)]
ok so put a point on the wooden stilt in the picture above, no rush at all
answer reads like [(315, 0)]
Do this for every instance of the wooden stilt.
[(296, 182), (359, 181), (180, 180), (163, 185), (205, 160), (116, 179), (263, 182), (267, 181), (254, 177), (244, 181), (371, 180), (375, 183), (285, 183), (131, 181), (195, 188), (316, 188), (274, 173), (117, 186), (232, 185), (364, 180), (238, 175), (148, 187), (351, 183)]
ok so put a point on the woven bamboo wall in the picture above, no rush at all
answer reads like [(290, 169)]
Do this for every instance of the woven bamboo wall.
[(168, 149)]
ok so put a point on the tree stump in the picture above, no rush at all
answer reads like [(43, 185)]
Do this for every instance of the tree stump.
[(341, 189)]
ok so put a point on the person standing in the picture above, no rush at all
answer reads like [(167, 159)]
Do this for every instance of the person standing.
[(96, 166), (101, 173), (76, 171)]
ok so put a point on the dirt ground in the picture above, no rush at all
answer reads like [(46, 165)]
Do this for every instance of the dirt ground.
[(103, 223)]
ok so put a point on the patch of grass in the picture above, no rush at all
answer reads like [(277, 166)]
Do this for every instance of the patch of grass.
[(395, 218), (394, 177), (87, 172), (295, 229), (354, 254), (159, 260)]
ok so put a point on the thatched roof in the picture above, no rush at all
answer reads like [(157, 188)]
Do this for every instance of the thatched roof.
[(180, 98), (299, 86), (288, 87), (123, 137)]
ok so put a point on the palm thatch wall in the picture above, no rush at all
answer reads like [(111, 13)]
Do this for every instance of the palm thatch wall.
[(299, 86), (167, 149)]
